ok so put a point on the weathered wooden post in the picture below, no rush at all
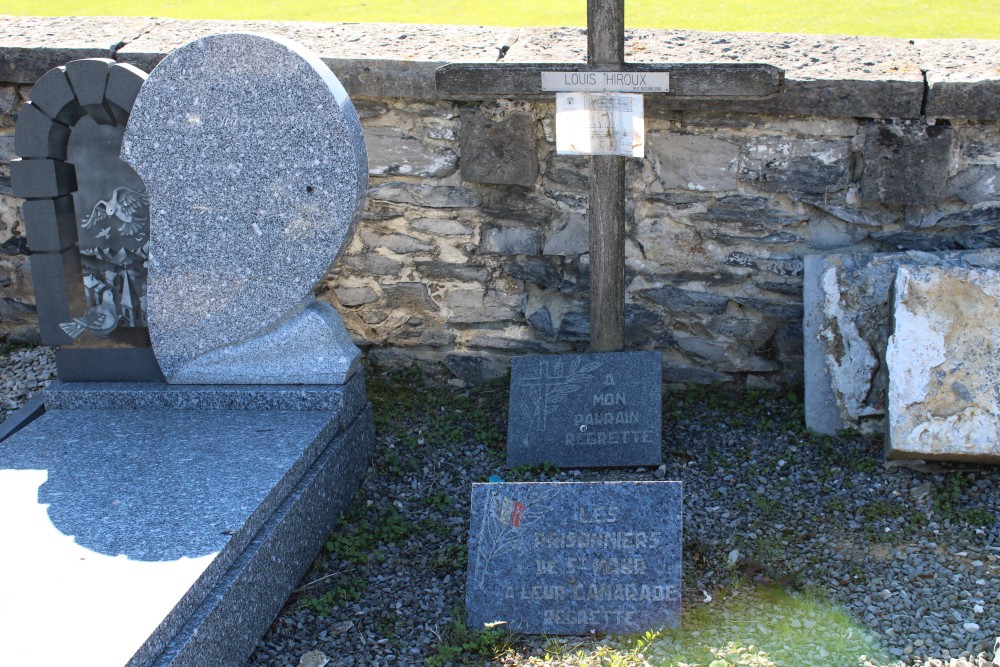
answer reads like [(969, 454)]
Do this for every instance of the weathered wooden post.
[(606, 52)]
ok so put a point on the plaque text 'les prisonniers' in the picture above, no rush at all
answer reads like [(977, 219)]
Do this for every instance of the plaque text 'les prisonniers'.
[(569, 558)]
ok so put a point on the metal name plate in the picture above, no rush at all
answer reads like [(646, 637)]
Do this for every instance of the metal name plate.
[(623, 82)]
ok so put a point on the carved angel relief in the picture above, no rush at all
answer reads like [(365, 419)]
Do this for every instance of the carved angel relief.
[(114, 254)]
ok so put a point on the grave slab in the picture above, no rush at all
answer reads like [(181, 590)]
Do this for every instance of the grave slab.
[(943, 365), (585, 410), (575, 557), (167, 534), (846, 330)]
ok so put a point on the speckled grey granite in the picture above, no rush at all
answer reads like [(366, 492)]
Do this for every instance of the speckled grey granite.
[(585, 410), (277, 356), (255, 165), (575, 557), (153, 508), (159, 395), (242, 606)]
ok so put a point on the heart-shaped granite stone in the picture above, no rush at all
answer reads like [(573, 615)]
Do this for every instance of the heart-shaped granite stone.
[(255, 166)]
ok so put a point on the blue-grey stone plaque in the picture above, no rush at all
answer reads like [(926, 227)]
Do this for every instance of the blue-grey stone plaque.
[(585, 410), (568, 558)]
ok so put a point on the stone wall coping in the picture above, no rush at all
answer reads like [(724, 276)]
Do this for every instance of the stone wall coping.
[(873, 77)]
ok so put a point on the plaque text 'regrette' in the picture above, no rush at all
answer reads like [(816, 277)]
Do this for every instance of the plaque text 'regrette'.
[(568, 558)]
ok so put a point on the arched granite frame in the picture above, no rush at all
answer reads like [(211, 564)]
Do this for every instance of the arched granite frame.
[(104, 91)]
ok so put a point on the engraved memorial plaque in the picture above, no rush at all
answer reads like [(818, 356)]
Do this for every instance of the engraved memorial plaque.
[(585, 410), (574, 557)]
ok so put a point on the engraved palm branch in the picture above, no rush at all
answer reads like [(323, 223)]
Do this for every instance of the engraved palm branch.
[(129, 206), (498, 537), (553, 389)]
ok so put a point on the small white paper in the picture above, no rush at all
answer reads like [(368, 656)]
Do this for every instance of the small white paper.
[(600, 124)]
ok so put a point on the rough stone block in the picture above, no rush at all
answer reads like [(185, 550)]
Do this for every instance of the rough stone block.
[(677, 300), (572, 239), (846, 331), (431, 196), (457, 272), (543, 271), (474, 370), (392, 152), (575, 558), (906, 162), (38, 136), (942, 362), (401, 244), (355, 296), (510, 241), (440, 227), (89, 78), (976, 183), (499, 146), (470, 305), (585, 410), (694, 162), (777, 164)]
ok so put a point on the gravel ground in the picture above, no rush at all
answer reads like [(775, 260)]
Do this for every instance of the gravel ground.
[(911, 552)]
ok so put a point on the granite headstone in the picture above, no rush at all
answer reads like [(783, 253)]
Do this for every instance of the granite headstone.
[(585, 410), (256, 172), (568, 558)]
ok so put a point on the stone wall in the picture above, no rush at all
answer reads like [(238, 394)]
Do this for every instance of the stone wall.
[(473, 246)]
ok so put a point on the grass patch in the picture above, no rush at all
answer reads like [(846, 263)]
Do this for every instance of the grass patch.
[(461, 646), (409, 413), (747, 626), (947, 502), (348, 588), (891, 18), (360, 533), (764, 626)]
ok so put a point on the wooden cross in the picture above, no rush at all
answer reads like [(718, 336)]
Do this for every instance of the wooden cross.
[(606, 203)]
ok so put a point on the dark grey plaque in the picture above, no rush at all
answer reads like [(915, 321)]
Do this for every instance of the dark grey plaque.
[(585, 410), (568, 558)]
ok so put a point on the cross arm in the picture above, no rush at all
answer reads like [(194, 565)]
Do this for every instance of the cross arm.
[(688, 80)]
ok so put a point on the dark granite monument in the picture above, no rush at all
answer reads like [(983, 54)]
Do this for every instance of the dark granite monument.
[(585, 410), (172, 519), (87, 220), (570, 558)]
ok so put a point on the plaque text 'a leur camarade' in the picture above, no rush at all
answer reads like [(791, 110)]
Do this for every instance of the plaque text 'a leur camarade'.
[(569, 558)]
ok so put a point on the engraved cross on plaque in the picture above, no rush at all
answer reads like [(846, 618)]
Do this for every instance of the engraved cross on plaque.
[(606, 203)]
